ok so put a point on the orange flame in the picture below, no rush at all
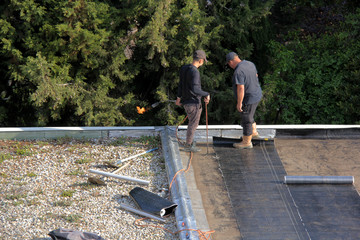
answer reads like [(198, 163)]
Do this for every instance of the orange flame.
[(140, 110)]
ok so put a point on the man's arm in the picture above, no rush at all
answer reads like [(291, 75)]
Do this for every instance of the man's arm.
[(197, 89), (196, 86), (240, 96)]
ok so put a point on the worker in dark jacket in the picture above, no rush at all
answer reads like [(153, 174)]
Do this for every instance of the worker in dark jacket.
[(189, 95)]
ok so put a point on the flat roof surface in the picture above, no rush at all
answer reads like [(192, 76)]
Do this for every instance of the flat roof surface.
[(325, 212), (244, 196)]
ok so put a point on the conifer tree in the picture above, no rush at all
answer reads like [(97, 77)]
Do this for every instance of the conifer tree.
[(242, 29), (66, 59), (84, 62), (174, 30), (92, 62)]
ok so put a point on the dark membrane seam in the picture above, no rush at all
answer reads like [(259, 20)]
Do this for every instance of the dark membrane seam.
[(293, 216)]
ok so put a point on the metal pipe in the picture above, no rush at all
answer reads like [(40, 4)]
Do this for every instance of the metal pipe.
[(140, 212), (319, 179), (126, 159), (119, 177)]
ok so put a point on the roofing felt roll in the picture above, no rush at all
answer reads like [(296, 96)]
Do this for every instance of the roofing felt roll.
[(151, 202), (318, 179), (222, 141)]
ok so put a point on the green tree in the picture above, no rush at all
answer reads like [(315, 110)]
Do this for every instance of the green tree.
[(173, 30), (65, 60), (170, 32), (315, 77), (246, 31), (91, 62)]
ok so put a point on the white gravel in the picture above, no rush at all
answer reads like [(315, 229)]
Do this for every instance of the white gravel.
[(44, 186)]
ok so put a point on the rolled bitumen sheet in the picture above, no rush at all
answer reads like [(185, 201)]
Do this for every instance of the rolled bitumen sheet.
[(318, 179), (151, 202), (222, 141)]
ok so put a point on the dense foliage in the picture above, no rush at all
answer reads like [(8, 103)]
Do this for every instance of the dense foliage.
[(314, 74), (89, 62)]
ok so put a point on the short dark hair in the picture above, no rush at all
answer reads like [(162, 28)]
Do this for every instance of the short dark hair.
[(230, 56)]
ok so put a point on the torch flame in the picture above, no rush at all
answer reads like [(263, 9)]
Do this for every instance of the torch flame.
[(140, 110)]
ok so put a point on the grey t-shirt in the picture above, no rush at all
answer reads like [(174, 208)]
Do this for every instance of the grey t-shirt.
[(246, 74)]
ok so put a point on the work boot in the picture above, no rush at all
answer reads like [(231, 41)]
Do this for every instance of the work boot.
[(245, 143), (255, 134), (191, 147)]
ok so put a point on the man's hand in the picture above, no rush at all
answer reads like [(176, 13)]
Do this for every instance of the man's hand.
[(207, 99), (239, 106), (177, 102)]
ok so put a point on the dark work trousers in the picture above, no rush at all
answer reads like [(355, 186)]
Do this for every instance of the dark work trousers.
[(193, 112), (247, 118)]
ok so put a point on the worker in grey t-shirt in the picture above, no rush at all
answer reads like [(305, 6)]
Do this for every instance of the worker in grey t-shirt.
[(247, 92)]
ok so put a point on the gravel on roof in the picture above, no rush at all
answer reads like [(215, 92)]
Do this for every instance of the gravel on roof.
[(44, 186)]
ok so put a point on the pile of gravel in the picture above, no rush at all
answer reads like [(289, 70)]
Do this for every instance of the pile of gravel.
[(44, 186)]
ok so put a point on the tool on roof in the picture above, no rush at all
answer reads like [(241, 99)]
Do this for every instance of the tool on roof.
[(141, 110), (154, 105), (318, 179), (99, 181), (134, 156), (207, 128), (140, 212), (119, 177)]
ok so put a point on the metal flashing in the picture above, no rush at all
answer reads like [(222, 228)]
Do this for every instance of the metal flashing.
[(184, 214)]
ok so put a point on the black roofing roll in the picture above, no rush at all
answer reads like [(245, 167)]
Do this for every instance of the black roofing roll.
[(151, 202)]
